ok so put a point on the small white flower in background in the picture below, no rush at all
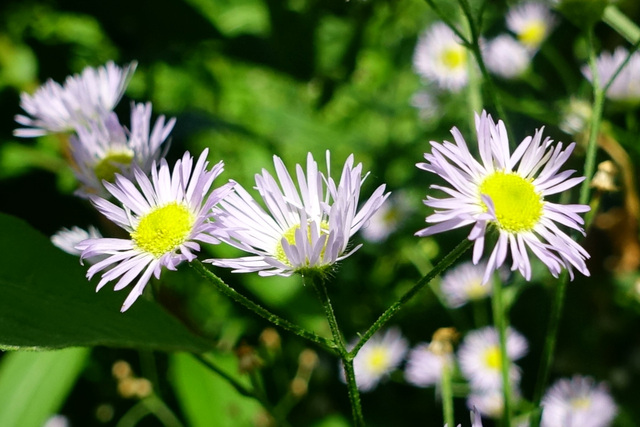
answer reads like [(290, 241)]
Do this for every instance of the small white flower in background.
[(575, 116), (506, 57), (83, 97), (626, 86), (507, 191), (480, 359), (378, 357), (105, 147), (67, 239), (531, 22), (424, 367), (490, 402), (306, 227), (439, 57), (578, 401), (464, 283), (57, 421), (428, 105), (388, 218), (165, 217)]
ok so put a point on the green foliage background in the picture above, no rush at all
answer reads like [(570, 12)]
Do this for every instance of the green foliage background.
[(254, 78)]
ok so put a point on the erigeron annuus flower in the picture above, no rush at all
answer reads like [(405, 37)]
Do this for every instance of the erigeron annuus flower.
[(531, 22), (578, 401), (480, 359), (165, 217), (306, 227), (490, 402), (463, 284), (626, 86), (440, 57), (506, 57), (509, 192), (56, 108), (378, 357), (104, 147)]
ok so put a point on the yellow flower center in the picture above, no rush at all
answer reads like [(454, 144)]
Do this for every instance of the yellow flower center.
[(477, 290), (290, 237), (518, 206), (378, 360), (111, 164), (163, 229), (492, 357), (533, 34), (454, 57), (580, 403)]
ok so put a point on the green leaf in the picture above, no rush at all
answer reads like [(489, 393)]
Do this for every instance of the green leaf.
[(206, 398), (34, 385), (46, 302)]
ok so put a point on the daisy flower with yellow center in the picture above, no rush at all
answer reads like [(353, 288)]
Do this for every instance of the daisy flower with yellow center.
[(463, 284), (165, 216), (531, 22), (626, 86), (105, 147), (480, 359), (507, 191), (56, 108), (306, 227), (578, 401), (439, 57)]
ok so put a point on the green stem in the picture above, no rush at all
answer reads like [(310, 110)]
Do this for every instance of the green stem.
[(149, 405), (617, 20), (396, 306), (500, 323), (318, 283), (259, 310), (447, 395)]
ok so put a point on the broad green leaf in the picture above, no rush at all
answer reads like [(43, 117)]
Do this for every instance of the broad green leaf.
[(34, 385), (206, 398), (46, 302)]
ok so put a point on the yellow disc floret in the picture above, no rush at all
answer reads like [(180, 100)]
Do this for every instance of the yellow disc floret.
[(454, 57), (378, 360), (492, 357), (111, 164), (533, 34), (517, 204), (163, 229), (290, 237)]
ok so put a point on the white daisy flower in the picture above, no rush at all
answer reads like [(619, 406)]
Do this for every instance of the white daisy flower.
[(306, 227), (506, 57), (105, 147), (626, 86), (507, 191), (480, 359), (378, 357), (531, 22), (579, 401), (84, 97), (490, 402), (424, 367), (165, 217), (439, 57), (67, 239), (463, 284)]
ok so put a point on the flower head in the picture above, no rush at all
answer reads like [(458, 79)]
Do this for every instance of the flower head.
[(481, 361), (531, 22), (463, 284), (84, 97), (490, 402), (424, 366), (67, 239), (378, 357), (579, 401), (506, 57), (507, 191), (105, 147), (440, 57), (626, 86), (165, 217), (306, 227)]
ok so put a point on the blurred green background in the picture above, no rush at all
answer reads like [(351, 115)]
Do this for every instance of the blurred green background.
[(254, 78)]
